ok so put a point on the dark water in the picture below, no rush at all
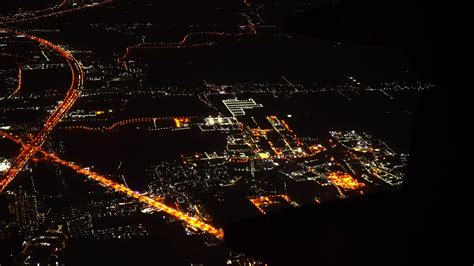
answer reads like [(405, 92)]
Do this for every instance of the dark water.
[(8, 149), (42, 89), (37, 82), (256, 59), (138, 146), (166, 106), (267, 59), (170, 22)]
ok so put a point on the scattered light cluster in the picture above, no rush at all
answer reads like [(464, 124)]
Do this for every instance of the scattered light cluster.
[(345, 181), (265, 201)]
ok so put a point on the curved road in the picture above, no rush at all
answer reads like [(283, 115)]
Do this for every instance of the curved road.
[(35, 145), (73, 93)]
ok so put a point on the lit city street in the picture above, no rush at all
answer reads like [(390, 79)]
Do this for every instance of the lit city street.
[(138, 131)]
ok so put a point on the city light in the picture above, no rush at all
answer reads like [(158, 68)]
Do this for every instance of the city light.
[(262, 202), (138, 120), (345, 181)]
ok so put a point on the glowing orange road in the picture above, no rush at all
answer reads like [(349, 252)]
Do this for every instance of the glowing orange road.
[(162, 46), (192, 221), (73, 93), (104, 181), (12, 138), (178, 121), (209, 33), (184, 43)]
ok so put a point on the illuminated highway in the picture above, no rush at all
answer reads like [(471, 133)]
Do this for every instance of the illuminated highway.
[(192, 221), (209, 33), (185, 42), (177, 120), (11, 137), (34, 145), (73, 93)]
